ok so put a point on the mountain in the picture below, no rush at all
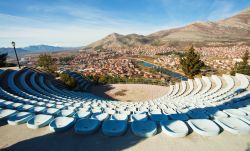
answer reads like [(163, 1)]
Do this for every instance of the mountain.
[(231, 30), (36, 49), (117, 40), (11, 53), (47, 48)]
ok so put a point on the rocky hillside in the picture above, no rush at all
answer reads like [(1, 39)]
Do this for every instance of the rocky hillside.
[(231, 30), (117, 40)]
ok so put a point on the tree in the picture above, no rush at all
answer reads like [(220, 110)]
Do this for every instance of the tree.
[(66, 60), (47, 63), (3, 58), (190, 63), (67, 80), (103, 79), (242, 67)]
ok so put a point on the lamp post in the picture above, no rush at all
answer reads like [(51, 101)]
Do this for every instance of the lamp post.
[(14, 46)]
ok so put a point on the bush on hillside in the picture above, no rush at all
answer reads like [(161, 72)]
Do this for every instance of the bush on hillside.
[(3, 58), (67, 80), (47, 63)]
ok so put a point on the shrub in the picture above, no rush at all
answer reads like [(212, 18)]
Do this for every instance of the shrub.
[(3, 58), (67, 80), (47, 63)]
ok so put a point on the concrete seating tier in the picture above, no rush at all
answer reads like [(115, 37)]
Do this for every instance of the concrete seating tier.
[(34, 98)]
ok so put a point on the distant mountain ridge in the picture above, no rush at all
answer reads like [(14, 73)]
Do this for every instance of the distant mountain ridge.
[(36, 49), (47, 48), (10, 51), (231, 30)]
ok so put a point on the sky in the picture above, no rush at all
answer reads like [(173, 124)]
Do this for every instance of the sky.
[(73, 23)]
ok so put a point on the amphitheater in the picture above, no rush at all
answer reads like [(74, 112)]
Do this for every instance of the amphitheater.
[(37, 112)]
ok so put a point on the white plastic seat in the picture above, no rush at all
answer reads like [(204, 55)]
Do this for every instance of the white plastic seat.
[(245, 109), (15, 105), (6, 103), (174, 128), (120, 117), (52, 111), (61, 124), (38, 109), (139, 117), (5, 113), (82, 114), (20, 118), (100, 116), (114, 127), (234, 125), (25, 107), (244, 82), (216, 114), (235, 113), (67, 113), (39, 121), (144, 128), (204, 127), (87, 126), (246, 119), (96, 110), (59, 106)]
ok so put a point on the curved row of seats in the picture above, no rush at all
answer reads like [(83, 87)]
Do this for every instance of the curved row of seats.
[(30, 97), (143, 125), (82, 82)]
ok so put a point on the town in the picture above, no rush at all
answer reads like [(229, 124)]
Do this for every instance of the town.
[(125, 62)]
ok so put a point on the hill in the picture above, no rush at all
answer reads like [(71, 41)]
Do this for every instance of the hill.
[(231, 30), (117, 40)]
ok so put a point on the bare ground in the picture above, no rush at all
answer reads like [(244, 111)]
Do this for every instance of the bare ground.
[(130, 92)]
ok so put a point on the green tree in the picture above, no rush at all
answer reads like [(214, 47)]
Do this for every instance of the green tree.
[(242, 67), (66, 60), (190, 63), (47, 63), (67, 80), (103, 79), (3, 58)]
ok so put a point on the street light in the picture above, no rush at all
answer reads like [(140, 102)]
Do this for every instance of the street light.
[(14, 45)]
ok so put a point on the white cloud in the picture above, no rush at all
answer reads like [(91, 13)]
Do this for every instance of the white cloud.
[(84, 25), (68, 25), (26, 31)]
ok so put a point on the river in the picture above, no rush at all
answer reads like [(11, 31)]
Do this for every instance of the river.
[(163, 70)]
